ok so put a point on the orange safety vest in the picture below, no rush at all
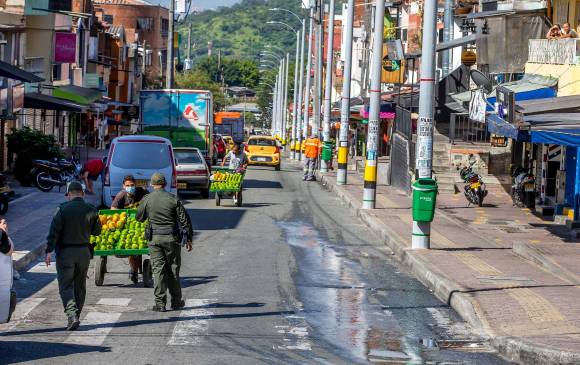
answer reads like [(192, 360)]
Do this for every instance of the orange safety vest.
[(312, 147)]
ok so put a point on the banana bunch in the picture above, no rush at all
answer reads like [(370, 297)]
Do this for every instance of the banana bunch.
[(226, 180)]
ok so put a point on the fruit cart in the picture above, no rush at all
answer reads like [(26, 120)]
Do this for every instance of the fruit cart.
[(122, 236), (227, 183)]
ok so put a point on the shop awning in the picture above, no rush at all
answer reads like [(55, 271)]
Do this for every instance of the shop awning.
[(15, 73), (41, 101), (77, 94), (497, 125), (554, 128), (560, 104)]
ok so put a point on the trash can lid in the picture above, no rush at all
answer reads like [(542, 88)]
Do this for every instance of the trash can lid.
[(425, 185)]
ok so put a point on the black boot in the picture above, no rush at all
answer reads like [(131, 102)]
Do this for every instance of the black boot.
[(179, 305), (158, 308), (73, 323)]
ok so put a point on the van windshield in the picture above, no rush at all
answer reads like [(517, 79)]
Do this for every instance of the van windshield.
[(146, 156)]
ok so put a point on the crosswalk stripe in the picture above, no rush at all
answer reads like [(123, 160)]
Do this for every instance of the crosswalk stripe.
[(42, 268), (95, 327), (192, 323), (23, 308), (99, 325)]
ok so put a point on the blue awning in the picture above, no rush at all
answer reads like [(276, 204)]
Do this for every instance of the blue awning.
[(562, 137), (497, 125)]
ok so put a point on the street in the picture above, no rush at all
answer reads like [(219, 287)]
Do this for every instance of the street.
[(289, 278)]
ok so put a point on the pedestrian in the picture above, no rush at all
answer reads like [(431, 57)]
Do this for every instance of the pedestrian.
[(91, 171), (129, 198), (72, 225), (567, 31), (312, 148), (169, 226), (555, 32), (352, 145), (237, 157)]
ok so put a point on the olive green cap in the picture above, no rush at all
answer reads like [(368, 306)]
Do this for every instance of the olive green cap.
[(158, 179)]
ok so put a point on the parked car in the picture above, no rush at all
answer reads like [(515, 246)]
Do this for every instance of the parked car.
[(263, 150), (140, 156), (219, 146), (192, 170)]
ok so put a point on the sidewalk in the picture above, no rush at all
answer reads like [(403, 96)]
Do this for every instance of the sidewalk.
[(29, 216), (485, 263)]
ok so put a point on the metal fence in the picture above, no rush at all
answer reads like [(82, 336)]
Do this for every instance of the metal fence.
[(464, 129), (403, 122)]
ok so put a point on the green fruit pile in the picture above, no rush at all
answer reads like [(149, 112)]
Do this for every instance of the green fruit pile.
[(120, 233), (226, 181)]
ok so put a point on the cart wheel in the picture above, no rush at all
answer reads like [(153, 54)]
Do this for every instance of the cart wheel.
[(238, 199), (218, 199), (100, 269), (147, 274)]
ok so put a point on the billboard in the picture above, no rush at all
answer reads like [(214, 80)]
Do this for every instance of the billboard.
[(65, 45)]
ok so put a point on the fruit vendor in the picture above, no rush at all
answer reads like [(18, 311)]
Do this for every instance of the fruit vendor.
[(91, 171), (237, 157), (69, 236), (169, 220), (128, 198)]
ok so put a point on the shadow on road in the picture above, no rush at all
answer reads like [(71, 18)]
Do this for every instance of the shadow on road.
[(190, 281), (145, 322), (14, 352), (261, 184), (215, 219)]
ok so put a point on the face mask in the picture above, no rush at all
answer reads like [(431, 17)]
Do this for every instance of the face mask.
[(130, 189)]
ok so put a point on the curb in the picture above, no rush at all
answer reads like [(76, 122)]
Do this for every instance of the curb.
[(514, 349), (30, 256)]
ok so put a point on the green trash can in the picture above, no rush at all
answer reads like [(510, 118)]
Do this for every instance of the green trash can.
[(424, 199), (327, 151)]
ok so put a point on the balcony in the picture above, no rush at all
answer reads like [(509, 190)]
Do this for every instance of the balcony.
[(554, 51)]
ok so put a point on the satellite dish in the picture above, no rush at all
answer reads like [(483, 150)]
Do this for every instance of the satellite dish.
[(481, 80)]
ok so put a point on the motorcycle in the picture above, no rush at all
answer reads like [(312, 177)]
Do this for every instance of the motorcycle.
[(474, 188), (48, 174), (524, 188), (5, 193)]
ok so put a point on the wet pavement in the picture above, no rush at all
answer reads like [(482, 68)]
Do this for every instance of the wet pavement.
[(289, 278)]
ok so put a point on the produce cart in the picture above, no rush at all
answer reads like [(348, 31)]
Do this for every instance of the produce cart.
[(121, 236), (227, 183)]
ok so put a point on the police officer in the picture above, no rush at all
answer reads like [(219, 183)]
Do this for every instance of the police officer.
[(71, 227), (169, 226)]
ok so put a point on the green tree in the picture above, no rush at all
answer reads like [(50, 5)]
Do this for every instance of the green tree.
[(198, 79)]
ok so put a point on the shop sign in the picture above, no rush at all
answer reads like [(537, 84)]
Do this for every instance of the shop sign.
[(65, 47)]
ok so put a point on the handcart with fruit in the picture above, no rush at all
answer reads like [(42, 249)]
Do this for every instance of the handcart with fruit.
[(121, 236), (227, 183)]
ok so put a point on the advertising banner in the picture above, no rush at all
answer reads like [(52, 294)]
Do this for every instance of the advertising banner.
[(65, 47)]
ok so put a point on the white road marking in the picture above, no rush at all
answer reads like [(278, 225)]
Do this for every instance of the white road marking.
[(121, 302), (298, 338), (192, 323), (23, 308), (42, 268), (94, 329)]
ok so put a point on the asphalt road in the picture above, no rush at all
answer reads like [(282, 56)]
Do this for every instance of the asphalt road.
[(289, 278)]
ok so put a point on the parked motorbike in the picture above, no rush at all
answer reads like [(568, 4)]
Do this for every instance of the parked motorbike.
[(5, 193), (474, 188), (46, 174), (524, 188)]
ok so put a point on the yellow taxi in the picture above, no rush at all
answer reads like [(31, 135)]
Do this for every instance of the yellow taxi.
[(229, 142), (263, 150)]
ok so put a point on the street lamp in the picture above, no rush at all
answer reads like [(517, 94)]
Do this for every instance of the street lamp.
[(273, 22), (290, 12)]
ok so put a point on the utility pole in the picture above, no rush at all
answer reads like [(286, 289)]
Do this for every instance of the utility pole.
[(295, 104), (144, 78), (370, 176), (298, 154), (274, 107), (318, 72), (328, 86), (447, 35), (345, 101), (308, 77), (189, 42), (285, 101), (169, 78), (424, 150)]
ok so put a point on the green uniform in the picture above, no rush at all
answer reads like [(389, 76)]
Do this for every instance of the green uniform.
[(166, 214), (71, 227)]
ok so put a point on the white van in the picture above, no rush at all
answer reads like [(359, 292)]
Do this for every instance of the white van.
[(140, 156)]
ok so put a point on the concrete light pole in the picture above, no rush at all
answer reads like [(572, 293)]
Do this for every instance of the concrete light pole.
[(447, 35), (370, 176), (424, 150), (345, 102), (308, 78), (299, 120), (318, 70), (169, 70), (285, 101), (328, 86), (295, 101)]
